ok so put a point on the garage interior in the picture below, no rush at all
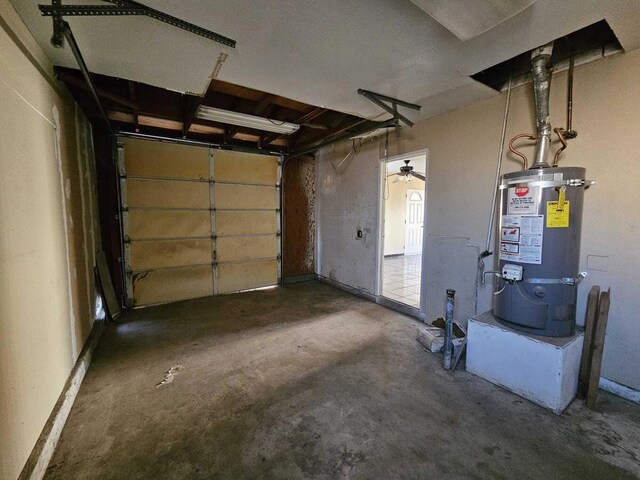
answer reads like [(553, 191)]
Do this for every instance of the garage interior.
[(319, 240)]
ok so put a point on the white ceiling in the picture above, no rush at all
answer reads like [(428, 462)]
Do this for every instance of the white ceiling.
[(321, 52), (467, 19)]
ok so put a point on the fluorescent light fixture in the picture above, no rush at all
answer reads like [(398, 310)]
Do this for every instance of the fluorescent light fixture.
[(245, 120)]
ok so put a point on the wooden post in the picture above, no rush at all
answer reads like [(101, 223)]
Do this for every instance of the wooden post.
[(589, 327), (597, 349)]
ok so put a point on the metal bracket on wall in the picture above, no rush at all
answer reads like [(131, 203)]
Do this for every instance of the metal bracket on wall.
[(380, 99), (121, 7)]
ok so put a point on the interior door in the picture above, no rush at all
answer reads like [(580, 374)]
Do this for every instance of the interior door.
[(197, 221), (414, 222)]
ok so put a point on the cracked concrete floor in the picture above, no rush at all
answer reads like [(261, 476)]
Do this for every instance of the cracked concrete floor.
[(308, 382)]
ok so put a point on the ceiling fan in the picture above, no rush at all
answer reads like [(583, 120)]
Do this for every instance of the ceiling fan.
[(405, 174)]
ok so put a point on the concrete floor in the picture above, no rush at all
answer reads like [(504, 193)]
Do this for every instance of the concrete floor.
[(307, 382)]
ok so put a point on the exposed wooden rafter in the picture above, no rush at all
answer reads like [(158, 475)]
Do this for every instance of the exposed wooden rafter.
[(134, 106)]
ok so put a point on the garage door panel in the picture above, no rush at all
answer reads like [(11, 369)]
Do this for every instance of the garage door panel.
[(233, 277), (246, 222), (245, 197), (172, 284), (167, 194), (168, 224), (231, 249), (162, 159), (167, 199), (245, 167), (170, 253)]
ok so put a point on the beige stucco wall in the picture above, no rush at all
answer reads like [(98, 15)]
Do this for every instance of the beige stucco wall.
[(48, 239), (463, 147)]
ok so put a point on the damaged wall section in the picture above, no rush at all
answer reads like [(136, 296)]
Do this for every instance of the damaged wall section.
[(299, 210)]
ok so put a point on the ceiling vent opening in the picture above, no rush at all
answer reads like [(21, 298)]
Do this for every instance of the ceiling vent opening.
[(587, 45)]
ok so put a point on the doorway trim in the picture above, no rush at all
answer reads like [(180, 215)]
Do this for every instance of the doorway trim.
[(401, 307)]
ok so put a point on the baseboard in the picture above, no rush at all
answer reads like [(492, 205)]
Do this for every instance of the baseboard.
[(38, 461), (385, 302), (298, 278), (620, 390)]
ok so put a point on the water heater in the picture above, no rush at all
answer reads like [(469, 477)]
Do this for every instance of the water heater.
[(539, 250), (538, 239)]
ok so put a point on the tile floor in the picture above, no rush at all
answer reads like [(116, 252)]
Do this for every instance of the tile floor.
[(401, 279)]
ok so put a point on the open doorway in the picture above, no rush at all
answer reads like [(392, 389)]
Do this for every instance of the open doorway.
[(402, 229)]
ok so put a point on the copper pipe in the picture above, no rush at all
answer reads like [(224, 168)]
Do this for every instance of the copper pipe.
[(560, 134), (525, 161)]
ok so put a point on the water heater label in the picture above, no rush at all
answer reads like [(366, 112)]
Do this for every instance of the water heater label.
[(523, 200), (521, 238), (558, 214)]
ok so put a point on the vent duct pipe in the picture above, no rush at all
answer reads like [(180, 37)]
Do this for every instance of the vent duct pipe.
[(541, 73)]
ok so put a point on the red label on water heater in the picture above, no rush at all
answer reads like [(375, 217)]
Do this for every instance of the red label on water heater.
[(522, 191)]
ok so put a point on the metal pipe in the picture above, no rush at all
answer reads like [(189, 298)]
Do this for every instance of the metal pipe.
[(541, 74), (558, 131), (448, 330), (359, 131), (496, 181), (68, 34), (182, 141), (570, 133)]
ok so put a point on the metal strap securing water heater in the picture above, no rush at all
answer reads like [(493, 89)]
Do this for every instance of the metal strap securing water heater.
[(574, 182), (555, 281)]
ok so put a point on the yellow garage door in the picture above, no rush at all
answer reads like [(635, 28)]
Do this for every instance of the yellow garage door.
[(196, 220)]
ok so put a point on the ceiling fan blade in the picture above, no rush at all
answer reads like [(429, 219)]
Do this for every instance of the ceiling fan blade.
[(419, 175), (391, 175)]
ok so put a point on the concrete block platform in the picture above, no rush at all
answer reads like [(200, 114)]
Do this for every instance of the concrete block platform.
[(543, 370)]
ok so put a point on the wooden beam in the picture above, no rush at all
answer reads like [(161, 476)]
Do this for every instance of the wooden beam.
[(345, 125), (598, 349), (261, 106), (80, 83), (589, 328), (191, 104), (312, 115), (132, 94)]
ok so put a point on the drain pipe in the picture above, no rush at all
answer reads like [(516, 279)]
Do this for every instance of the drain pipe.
[(492, 216), (541, 73)]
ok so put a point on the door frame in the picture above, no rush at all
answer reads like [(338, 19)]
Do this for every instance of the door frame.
[(420, 313)]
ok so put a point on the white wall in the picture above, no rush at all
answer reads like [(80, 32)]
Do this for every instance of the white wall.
[(48, 239), (463, 147)]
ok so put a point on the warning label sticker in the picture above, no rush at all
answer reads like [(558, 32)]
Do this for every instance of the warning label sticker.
[(522, 200), (558, 216), (521, 238)]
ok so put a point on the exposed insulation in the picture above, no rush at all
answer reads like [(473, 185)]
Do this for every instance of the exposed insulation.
[(247, 222), (245, 167), (145, 224), (162, 159), (172, 284), (170, 253), (245, 196), (167, 194), (246, 248), (242, 276), (299, 217)]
